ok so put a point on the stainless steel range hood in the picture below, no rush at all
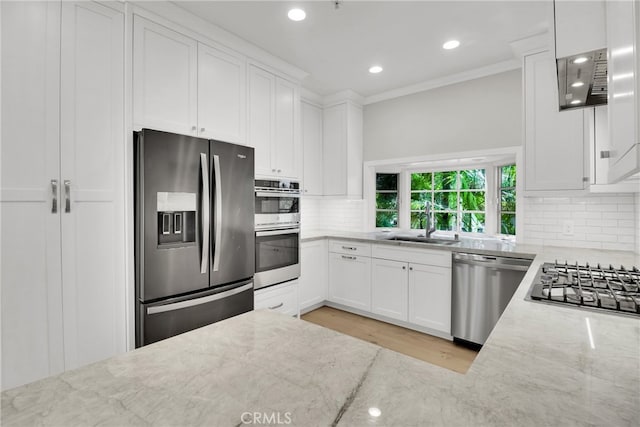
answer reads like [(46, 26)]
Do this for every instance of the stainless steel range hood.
[(582, 80)]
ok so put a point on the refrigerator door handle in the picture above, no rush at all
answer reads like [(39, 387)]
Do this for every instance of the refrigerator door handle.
[(206, 215), (218, 201), (197, 301)]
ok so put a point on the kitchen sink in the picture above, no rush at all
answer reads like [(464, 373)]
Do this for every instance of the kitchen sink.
[(423, 240)]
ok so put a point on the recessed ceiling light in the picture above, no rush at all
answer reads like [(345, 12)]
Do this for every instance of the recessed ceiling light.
[(375, 69), (577, 84), (576, 101), (296, 14), (580, 60), (451, 44)]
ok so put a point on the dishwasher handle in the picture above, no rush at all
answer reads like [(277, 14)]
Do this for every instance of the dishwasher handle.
[(503, 263)]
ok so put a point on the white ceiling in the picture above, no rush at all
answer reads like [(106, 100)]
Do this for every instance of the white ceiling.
[(337, 47)]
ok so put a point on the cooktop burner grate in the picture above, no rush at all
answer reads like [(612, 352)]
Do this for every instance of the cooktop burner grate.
[(606, 288)]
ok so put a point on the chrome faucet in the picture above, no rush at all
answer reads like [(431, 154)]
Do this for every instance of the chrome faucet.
[(428, 227)]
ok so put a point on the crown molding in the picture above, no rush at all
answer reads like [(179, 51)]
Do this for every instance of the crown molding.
[(343, 96), (477, 73), (311, 97), (191, 23), (532, 44)]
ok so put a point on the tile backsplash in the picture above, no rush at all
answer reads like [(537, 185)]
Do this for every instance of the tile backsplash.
[(332, 214), (610, 221), (601, 222)]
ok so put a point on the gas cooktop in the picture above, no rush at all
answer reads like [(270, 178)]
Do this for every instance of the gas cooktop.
[(607, 289)]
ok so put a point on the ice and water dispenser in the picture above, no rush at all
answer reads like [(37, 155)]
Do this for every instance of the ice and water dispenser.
[(176, 218)]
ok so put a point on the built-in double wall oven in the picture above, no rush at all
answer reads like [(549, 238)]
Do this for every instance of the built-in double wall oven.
[(277, 224)]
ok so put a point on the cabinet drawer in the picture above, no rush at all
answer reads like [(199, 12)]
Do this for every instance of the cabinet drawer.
[(439, 258), (281, 298), (350, 247)]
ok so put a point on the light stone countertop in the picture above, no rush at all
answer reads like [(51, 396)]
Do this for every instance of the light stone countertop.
[(538, 367)]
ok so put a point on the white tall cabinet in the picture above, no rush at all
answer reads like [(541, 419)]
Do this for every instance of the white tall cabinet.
[(62, 187)]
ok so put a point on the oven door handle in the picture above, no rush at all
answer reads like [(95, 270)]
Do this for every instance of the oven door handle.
[(277, 194), (278, 232)]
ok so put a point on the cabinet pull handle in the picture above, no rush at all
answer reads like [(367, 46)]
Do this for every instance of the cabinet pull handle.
[(276, 306), (194, 127), (605, 154), (273, 170), (201, 129), (67, 196), (348, 257), (411, 268), (54, 196), (279, 170), (404, 267), (349, 248)]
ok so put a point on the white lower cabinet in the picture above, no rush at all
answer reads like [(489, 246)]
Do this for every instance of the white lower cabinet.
[(430, 297), (282, 298), (313, 277), (393, 283), (389, 288), (350, 280)]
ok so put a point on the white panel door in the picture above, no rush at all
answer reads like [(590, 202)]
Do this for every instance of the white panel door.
[(313, 275), (622, 97), (554, 140), (261, 108), (430, 297), (350, 280), (30, 263), (389, 288), (92, 170), (334, 140), (312, 149), (165, 78), (286, 148), (221, 95)]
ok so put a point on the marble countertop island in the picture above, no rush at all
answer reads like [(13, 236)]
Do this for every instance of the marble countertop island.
[(542, 365)]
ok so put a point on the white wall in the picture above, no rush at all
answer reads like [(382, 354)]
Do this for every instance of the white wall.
[(467, 116), (600, 222)]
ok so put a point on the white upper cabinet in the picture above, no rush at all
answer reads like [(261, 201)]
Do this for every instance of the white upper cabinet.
[(286, 150), (165, 78), (221, 95), (555, 153), (181, 85), (312, 148), (623, 30), (274, 109), (579, 27), (342, 147)]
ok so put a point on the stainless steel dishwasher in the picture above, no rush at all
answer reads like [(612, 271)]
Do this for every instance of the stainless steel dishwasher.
[(482, 286)]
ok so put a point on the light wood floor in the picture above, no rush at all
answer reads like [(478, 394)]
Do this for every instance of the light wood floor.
[(421, 346)]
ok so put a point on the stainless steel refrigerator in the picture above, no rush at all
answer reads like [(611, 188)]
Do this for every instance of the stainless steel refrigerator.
[(194, 233)]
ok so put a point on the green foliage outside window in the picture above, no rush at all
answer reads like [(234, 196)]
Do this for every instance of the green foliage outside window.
[(455, 196), (386, 200), (508, 199)]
